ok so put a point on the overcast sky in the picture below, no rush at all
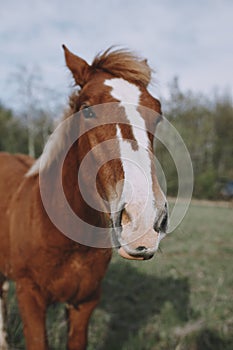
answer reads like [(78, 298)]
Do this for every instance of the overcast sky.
[(189, 39)]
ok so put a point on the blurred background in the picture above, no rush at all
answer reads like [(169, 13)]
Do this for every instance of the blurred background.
[(183, 298)]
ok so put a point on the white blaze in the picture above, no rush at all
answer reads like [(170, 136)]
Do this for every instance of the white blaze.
[(138, 186)]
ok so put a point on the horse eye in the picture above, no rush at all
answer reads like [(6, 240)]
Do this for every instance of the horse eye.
[(88, 112)]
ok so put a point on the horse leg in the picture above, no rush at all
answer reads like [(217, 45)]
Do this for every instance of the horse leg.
[(78, 323), (3, 298), (32, 308)]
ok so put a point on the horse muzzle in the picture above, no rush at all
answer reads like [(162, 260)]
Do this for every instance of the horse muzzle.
[(141, 253), (136, 240), (142, 248)]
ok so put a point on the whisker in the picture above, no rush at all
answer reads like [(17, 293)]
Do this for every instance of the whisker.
[(160, 250)]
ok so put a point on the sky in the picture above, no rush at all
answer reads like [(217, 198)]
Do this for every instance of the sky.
[(188, 39)]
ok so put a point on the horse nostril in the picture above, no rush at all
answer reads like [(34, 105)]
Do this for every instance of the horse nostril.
[(141, 249), (162, 223)]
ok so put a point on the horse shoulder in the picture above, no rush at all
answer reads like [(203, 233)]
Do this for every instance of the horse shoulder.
[(12, 170), (79, 273)]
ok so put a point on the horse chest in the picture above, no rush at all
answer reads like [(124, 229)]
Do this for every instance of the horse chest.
[(78, 277)]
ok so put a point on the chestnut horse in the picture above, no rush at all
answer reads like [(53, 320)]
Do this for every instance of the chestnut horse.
[(49, 266)]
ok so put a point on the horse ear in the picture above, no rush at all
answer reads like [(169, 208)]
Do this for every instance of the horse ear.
[(78, 67)]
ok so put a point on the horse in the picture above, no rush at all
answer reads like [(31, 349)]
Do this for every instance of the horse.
[(47, 264)]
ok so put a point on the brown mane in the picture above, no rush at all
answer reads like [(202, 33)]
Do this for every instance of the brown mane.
[(123, 64), (120, 63)]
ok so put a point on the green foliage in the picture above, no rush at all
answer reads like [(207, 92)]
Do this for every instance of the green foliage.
[(223, 146), (205, 185), (206, 127), (13, 135), (14, 131)]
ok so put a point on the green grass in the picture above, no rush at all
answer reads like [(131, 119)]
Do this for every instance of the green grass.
[(180, 300)]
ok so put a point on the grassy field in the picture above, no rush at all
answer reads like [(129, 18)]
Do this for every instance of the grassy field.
[(180, 300)]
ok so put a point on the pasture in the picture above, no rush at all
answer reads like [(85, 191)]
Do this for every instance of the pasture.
[(179, 300)]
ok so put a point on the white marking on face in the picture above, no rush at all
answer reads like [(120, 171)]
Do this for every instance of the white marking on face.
[(136, 163)]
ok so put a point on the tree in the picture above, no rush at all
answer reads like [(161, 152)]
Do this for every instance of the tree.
[(206, 127), (37, 105), (223, 127), (13, 135)]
